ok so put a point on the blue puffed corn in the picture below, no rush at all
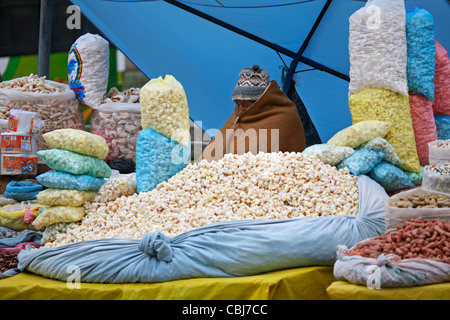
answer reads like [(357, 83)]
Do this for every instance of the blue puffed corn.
[(157, 159), (420, 52)]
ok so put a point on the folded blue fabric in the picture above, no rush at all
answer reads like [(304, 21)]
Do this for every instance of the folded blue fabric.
[(229, 249), (23, 236), (22, 190)]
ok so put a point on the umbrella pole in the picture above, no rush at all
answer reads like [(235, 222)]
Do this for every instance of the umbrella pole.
[(45, 30)]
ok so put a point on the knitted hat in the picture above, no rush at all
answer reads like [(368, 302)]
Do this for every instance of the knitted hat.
[(251, 84)]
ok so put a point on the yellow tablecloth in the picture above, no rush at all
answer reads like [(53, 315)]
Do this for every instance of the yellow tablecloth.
[(307, 283), (342, 290)]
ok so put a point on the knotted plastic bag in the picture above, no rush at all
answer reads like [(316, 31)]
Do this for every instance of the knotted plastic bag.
[(164, 108), (360, 133), (380, 144), (57, 214), (362, 161), (327, 153), (62, 197), (74, 163), (63, 180), (390, 177), (78, 141)]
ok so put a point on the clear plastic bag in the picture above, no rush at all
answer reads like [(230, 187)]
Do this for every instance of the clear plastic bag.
[(390, 177), (380, 144), (393, 108), (437, 177), (63, 180), (362, 161), (62, 197), (164, 109), (158, 159), (360, 133), (441, 105), (421, 52), (56, 214), (377, 47), (78, 141), (116, 187), (119, 124), (74, 163), (442, 126), (424, 125), (327, 153)]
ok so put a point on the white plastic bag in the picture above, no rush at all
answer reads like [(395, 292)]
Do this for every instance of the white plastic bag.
[(384, 273), (88, 69), (438, 154), (378, 48), (397, 216)]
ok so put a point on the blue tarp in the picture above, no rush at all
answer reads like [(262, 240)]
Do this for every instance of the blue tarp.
[(160, 38)]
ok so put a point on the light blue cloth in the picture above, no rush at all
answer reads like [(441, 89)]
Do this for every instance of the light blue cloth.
[(22, 190), (230, 249)]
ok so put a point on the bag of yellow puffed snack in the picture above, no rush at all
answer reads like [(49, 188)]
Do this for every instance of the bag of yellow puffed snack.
[(55, 214), (359, 133), (164, 109), (394, 108), (62, 197), (78, 141)]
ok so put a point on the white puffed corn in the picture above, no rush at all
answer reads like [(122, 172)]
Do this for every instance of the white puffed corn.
[(263, 186)]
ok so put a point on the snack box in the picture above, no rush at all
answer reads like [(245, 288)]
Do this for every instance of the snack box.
[(11, 142), (19, 164)]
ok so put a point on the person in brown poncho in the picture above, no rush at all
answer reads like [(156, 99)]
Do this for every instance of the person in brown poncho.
[(264, 120)]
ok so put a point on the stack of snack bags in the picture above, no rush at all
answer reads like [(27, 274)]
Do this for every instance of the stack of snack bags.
[(163, 145), (392, 79), (19, 143), (79, 171)]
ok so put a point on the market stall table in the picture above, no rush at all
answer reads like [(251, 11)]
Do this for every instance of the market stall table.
[(342, 290), (307, 283)]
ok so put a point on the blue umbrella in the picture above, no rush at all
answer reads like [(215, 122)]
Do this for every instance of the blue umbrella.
[(204, 44)]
